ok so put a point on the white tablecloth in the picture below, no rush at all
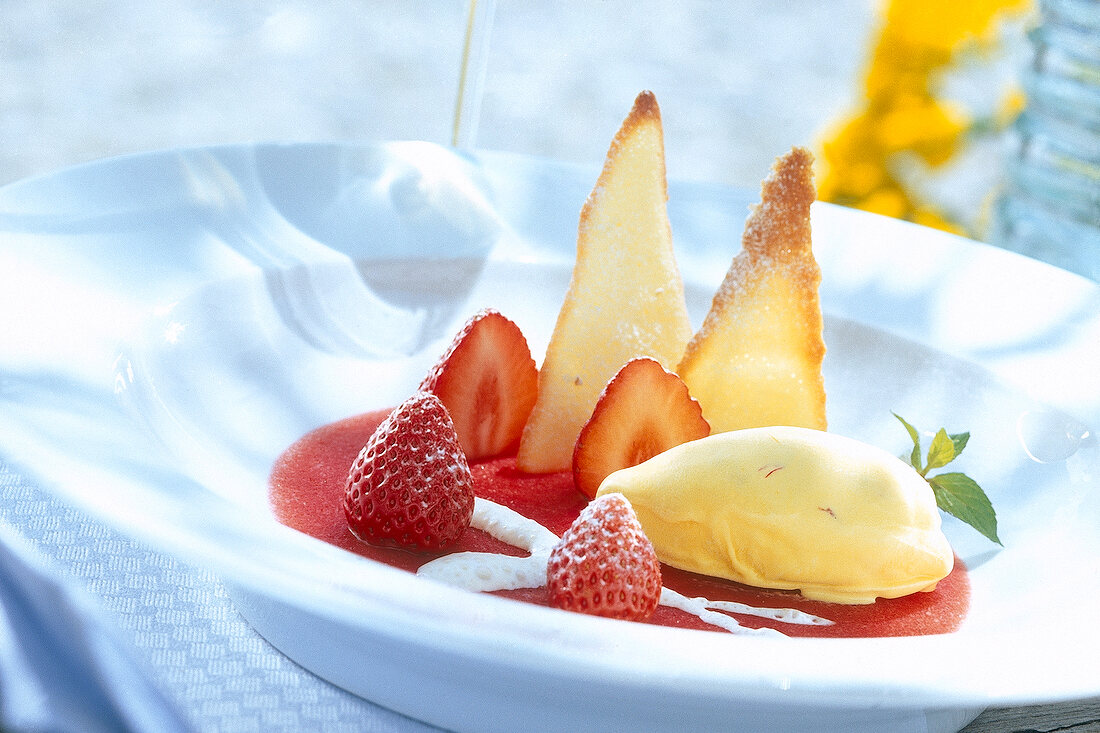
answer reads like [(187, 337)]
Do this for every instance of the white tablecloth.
[(163, 618)]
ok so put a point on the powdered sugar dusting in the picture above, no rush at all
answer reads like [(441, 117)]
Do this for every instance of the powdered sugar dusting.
[(768, 301), (780, 225)]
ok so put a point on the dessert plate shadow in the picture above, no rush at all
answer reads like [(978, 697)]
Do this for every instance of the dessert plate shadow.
[(181, 317)]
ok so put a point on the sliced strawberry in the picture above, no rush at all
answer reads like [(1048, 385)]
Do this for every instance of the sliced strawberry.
[(644, 410), (604, 564), (488, 382), (410, 486)]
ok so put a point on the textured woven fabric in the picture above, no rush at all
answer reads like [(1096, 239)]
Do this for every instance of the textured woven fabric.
[(222, 675)]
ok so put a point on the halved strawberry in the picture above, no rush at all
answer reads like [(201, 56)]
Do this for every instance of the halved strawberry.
[(644, 410), (488, 382), (604, 564), (410, 486)]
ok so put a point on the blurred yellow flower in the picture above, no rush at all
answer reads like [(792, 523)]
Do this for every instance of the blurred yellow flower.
[(927, 127), (941, 25), (902, 115)]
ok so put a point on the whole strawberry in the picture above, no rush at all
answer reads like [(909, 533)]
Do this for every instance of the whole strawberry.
[(410, 486), (604, 564)]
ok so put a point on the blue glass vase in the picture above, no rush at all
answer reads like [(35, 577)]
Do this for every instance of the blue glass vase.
[(1049, 207)]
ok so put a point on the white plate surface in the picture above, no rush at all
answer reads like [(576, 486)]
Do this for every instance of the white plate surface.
[(172, 321)]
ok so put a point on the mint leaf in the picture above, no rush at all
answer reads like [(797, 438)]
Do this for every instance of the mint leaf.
[(941, 452), (960, 440), (914, 457), (961, 497), (956, 493)]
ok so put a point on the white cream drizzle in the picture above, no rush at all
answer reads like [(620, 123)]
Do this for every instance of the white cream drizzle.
[(490, 571), (512, 527)]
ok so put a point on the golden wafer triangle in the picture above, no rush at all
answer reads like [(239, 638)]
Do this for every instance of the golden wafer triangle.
[(756, 360), (626, 296)]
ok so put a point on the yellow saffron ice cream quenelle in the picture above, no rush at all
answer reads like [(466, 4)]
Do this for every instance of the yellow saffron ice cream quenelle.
[(791, 508)]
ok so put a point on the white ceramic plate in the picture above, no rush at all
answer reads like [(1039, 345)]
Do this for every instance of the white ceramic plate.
[(173, 321)]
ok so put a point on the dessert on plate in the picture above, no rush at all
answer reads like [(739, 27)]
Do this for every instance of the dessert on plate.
[(643, 472)]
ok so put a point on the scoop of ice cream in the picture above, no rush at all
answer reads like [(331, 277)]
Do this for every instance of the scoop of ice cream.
[(791, 508)]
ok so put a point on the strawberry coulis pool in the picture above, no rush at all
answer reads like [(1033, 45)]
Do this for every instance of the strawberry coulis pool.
[(307, 490)]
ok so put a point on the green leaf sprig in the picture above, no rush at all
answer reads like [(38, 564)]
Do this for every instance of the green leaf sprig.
[(956, 493)]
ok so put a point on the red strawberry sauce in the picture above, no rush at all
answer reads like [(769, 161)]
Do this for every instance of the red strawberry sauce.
[(307, 488)]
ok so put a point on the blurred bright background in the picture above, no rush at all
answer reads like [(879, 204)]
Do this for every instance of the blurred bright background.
[(904, 114)]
